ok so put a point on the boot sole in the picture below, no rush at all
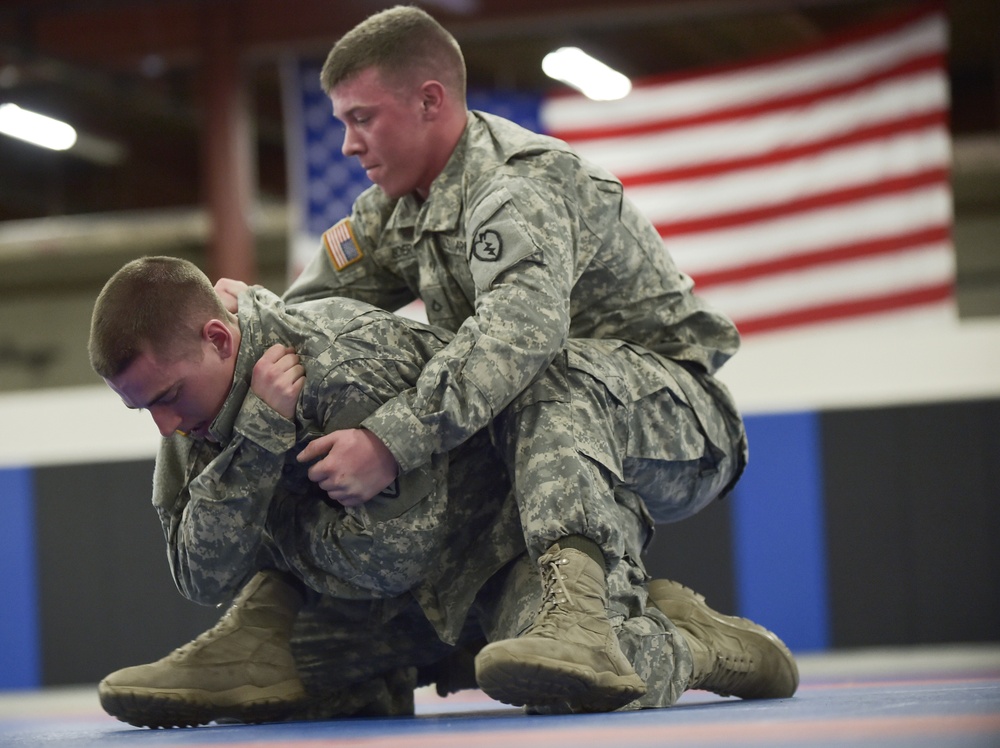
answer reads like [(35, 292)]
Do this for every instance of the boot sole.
[(544, 682), (666, 595), (188, 707)]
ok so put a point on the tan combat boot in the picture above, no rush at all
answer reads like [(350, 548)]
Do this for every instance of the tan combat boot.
[(241, 669), (732, 656), (569, 657)]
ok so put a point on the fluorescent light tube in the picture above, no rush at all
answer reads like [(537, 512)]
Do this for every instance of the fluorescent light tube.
[(36, 128), (591, 77)]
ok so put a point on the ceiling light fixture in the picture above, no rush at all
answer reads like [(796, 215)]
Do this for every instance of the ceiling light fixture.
[(589, 76), (36, 128)]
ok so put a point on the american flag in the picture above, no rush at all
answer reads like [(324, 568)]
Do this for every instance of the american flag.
[(795, 190), (340, 244)]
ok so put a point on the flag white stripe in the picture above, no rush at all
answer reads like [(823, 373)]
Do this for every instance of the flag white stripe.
[(751, 136), (792, 187), (707, 93), (834, 169), (832, 226), (844, 282)]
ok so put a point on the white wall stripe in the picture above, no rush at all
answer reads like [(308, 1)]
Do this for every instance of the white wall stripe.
[(847, 364), (71, 426)]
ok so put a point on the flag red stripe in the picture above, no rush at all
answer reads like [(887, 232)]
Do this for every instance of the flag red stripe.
[(891, 94), (780, 155), (929, 62), (830, 255), (870, 30), (842, 310), (812, 202)]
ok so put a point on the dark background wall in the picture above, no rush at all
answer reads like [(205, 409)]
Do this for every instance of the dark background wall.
[(106, 598), (909, 548), (913, 518), (850, 528)]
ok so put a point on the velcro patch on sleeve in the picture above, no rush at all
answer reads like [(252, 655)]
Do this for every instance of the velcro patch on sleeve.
[(341, 246), (500, 239)]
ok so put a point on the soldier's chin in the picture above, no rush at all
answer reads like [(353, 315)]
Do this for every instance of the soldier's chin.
[(394, 193), (201, 432)]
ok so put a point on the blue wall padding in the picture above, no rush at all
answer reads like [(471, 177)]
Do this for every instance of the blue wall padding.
[(778, 531), (19, 627)]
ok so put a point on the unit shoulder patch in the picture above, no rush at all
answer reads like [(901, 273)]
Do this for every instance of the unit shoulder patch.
[(487, 246), (341, 246)]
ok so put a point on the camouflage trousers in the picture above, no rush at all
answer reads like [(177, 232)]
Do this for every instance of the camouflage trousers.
[(609, 440), (366, 657), (610, 425)]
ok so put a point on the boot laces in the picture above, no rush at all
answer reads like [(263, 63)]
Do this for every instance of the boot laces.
[(555, 595), (205, 637), (729, 672)]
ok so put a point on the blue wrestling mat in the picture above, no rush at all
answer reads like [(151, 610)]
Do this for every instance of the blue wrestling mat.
[(927, 697)]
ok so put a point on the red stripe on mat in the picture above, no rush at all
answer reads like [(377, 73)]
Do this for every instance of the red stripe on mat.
[(794, 732)]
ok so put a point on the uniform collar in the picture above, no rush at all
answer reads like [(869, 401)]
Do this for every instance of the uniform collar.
[(439, 212), (251, 349)]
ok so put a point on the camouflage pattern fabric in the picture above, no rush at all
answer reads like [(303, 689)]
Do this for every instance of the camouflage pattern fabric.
[(354, 655), (577, 338), (611, 424), (245, 503), (399, 583), (520, 246)]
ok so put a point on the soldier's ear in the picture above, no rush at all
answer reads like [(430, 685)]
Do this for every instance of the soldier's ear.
[(432, 98), (219, 336)]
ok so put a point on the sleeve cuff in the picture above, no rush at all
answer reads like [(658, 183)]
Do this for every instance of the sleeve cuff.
[(260, 423), (411, 442)]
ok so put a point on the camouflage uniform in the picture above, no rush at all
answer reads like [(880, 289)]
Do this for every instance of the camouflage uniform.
[(410, 561), (227, 509), (395, 584), (519, 247)]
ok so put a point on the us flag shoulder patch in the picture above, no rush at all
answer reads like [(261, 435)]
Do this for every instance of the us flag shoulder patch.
[(341, 246)]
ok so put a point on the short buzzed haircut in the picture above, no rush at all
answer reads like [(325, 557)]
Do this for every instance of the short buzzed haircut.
[(154, 303), (401, 42)]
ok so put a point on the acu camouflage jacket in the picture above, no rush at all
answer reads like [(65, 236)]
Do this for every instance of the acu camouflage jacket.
[(245, 503)]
